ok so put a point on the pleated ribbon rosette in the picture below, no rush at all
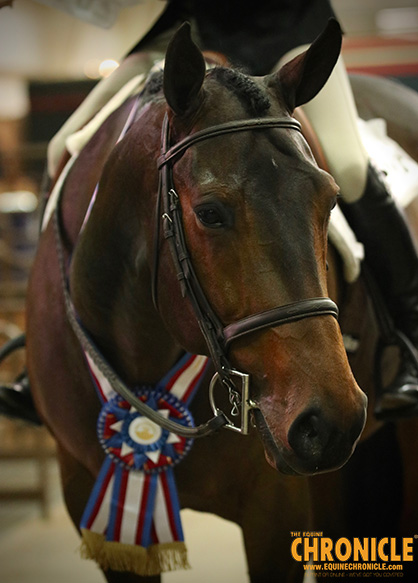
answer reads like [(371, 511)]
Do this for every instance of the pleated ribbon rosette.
[(132, 519)]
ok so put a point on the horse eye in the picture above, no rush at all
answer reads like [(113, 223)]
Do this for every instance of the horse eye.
[(210, 216)]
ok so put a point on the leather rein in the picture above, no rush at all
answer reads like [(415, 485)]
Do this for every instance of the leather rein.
[(217, 336)]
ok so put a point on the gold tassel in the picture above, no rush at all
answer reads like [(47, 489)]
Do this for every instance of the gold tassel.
[(117, 556)]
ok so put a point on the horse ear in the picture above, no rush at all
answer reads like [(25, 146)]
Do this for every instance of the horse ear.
[(305, 75), (184, 71)]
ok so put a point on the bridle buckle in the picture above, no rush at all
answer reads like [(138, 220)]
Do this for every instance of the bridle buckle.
[(239, 399)]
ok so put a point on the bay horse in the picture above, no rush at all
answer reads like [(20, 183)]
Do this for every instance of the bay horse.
[(240, 277)]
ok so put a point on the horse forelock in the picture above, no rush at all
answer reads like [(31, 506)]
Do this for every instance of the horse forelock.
[(154, 84), (250, 94)]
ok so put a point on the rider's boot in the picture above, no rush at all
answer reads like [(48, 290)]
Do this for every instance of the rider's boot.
[(391, 256)]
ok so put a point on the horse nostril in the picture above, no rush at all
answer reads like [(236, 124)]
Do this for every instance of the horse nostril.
[(309, 426), (319, 443), (309, 435)]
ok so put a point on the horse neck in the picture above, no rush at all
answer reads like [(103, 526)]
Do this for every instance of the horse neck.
[(111, 280)]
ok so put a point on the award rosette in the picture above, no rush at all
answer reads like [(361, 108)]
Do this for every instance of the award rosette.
[(132, 519)]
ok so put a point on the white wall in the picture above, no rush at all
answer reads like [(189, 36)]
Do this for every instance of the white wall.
[(39, 42)]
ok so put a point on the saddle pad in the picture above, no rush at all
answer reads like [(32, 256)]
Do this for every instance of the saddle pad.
[(76, 141), (401, 171)]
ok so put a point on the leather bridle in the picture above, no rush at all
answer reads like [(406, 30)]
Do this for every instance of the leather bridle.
[(217, 336)]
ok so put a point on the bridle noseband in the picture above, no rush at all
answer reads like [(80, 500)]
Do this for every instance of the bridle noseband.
[(217, 336)]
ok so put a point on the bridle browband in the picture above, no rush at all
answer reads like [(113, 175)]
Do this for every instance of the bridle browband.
[(217, 336), (229, 127)]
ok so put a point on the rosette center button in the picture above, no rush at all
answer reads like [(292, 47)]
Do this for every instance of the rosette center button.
[(144, 431)]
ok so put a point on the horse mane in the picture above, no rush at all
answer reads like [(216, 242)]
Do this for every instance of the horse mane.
[(249, 93)]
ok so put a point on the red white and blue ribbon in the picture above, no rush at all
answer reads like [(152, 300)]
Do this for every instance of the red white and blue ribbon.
[(132, 519)]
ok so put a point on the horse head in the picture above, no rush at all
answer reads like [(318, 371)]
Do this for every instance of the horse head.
[(255, 208), (252, 208)]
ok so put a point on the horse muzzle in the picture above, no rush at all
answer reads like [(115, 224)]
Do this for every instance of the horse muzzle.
[(314, 442)]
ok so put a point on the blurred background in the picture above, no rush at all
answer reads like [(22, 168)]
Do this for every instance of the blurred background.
[(48, 63)]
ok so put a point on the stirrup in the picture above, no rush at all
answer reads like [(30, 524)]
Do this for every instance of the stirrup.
[(15, 398), (389, 336), (404, 405)]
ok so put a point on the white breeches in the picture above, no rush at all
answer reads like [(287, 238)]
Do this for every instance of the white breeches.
[(333, 116)]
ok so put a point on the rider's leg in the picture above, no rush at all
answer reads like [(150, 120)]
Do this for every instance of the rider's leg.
[(376, 220), (392, 258)]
